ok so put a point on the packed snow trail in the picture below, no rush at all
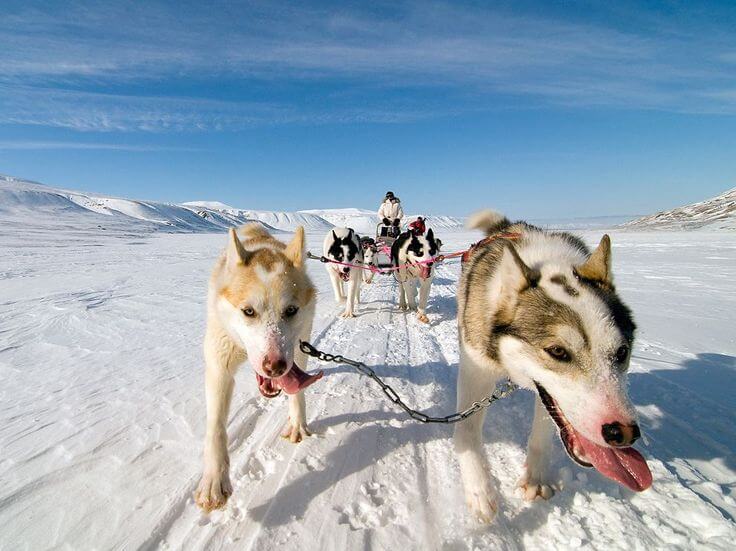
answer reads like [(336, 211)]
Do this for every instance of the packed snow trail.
[(102, 411)]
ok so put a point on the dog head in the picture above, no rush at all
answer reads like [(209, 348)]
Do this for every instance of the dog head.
[(419, 250), (264, 299), (343, 245), (369, 255), (564, 332)]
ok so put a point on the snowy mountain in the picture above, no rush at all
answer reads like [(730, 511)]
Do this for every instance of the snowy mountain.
[(24, 203), (716, 213), (27, 203)]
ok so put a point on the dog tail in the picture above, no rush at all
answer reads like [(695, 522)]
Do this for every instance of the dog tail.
[(488, 221)]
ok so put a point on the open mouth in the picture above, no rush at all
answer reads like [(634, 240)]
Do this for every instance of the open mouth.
[(624, 465), (290, 382), (345, 276)]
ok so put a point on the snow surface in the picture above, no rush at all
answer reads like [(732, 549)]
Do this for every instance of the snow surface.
[(102, 410)]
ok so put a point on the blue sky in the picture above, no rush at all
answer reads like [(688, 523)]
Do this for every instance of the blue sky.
[(541, 109)]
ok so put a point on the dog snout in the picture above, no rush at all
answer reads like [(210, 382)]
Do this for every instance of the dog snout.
[(274, 367), (619, 435)]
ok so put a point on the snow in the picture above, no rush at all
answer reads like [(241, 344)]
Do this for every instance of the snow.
[(102, 410), (712, 214)]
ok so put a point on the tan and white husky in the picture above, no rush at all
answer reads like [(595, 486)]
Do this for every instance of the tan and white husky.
[(260, 304), (543, 311)]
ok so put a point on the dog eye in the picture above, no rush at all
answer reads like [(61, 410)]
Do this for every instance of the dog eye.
[(622, 353), (291, 311), (249, 312), (558, 353)]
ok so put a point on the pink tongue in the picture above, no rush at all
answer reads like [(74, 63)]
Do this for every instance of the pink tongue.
[(624, 465), (291, 383), (425, 271)]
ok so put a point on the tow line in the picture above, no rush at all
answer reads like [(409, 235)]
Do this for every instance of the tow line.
[(501, 391)]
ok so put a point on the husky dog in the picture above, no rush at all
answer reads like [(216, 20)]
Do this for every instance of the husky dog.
[(260, 304), (414, 253), (343, 245), (369, 258), (543, 311)]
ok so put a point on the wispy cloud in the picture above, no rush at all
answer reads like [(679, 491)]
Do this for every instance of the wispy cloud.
[(63, 145), (435, 53)]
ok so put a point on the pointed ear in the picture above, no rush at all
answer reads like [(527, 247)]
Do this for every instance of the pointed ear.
[(295, 249), (350, 232), (430, 235), (598, 267), (514, 277), (236, 254), (334, 236)]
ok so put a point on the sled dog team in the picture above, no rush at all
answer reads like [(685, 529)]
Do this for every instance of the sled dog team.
[(412, 256), (540, 309)]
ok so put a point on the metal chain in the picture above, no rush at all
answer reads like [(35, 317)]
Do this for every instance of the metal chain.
[(501, 391)]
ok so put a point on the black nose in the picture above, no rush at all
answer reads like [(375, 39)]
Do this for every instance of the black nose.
[(274, 369), (618, 435), (346, 270)]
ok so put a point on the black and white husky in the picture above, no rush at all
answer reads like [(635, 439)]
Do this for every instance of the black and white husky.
[(343, 245), (414, 254), (542, 310)]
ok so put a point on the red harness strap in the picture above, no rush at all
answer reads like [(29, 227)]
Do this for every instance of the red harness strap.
[(475, 246)]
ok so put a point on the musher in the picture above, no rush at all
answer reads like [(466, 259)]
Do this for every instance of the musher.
[(390, 214)]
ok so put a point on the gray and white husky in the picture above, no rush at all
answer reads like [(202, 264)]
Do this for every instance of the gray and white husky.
[(343, 245), (542, 310)]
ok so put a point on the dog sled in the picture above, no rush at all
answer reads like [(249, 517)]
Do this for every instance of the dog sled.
[(385, 237)]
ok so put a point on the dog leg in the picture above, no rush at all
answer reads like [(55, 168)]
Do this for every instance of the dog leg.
[(402, 296), (535, 482), (410, 288), (336, 285), (353, 290), (221, 362), (426, 284), (296, 428), (474, 383), (358, 282)]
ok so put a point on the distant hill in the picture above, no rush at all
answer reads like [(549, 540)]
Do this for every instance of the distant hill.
[(24, 203), (713, 214)]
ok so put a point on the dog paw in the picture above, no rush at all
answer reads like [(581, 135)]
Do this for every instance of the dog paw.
[(213, 491), (295, 432), (482, 506), (346, 315), (423, 318), (533, 487)]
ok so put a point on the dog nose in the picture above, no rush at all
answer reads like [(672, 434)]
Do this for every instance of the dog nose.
[(618, 435), (274, 368), (346, 270)]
